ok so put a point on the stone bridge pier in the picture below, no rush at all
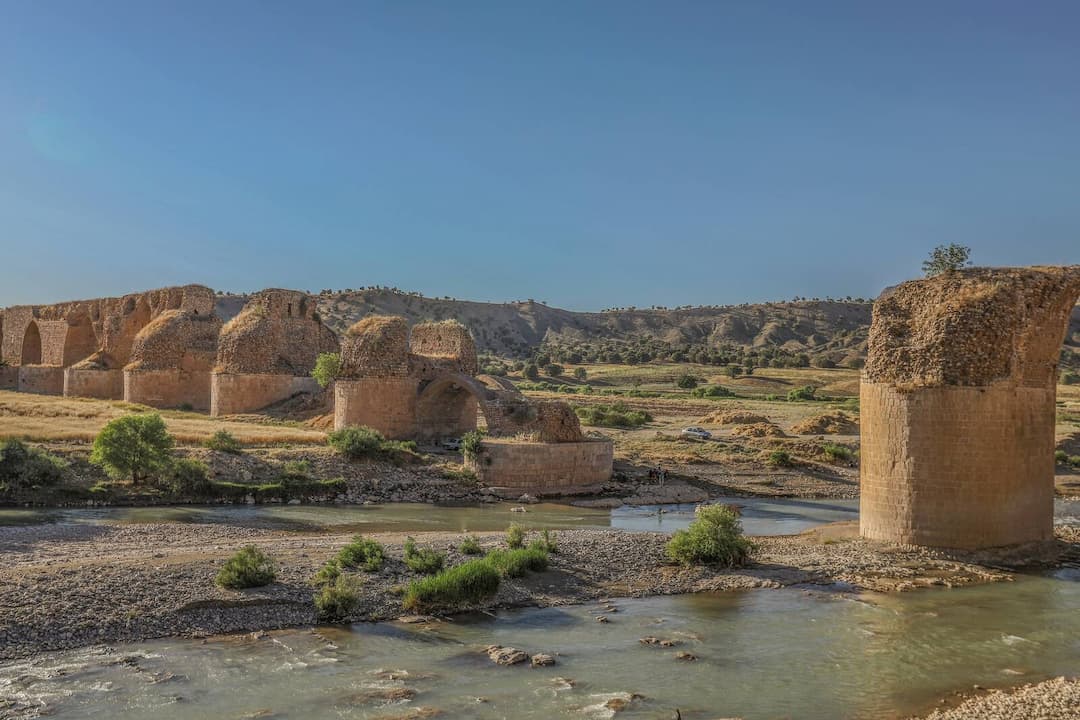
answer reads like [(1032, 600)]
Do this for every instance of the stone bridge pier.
[(957, 407)]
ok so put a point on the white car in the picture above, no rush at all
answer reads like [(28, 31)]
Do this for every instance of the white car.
[(696, 432), (452, 444)]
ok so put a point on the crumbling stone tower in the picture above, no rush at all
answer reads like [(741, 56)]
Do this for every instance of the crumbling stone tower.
[(266, 353), (957, 407)]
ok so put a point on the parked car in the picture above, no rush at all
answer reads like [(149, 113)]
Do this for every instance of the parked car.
[(452, 443), (696, 433)]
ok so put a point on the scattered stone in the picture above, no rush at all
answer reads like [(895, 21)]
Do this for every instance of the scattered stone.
[(685, 656), (506, 655), (542, 660)]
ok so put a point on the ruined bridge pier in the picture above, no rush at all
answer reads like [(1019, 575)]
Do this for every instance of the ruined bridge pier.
[(957, 407)]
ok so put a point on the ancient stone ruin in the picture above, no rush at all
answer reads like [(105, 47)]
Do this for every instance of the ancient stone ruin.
[(267, 352), (957, 407)]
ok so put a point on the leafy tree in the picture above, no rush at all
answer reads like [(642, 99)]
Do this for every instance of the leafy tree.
[(531, 372), (553, 370), (734, 371), (946, 258), (580, 374), (687, 382), (133, 446), (327, 368)]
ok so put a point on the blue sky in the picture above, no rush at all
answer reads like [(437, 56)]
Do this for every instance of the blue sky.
[(590, 154)]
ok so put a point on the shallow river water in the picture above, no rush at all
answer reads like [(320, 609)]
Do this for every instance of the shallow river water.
[(792, 653), (760, 517)]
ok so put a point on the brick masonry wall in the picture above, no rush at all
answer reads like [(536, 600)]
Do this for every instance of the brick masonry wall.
[(9, 377), (962, 467), (41, 379), (92, 383), (16, 320), (233, 393), (170, 388), (386, 404), (543, 467)]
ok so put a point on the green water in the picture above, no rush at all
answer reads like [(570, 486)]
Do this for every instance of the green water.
[(760, 517), (792, 653)]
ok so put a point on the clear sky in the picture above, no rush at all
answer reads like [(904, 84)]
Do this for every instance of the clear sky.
[(586, 153)]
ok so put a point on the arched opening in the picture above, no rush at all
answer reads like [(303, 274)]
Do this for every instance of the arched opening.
[(80, 341), (31, 345), (448, 407)]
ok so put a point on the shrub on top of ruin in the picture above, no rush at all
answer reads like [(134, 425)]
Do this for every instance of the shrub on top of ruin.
[(807, 392), (338, 599), (224, 441), (250, 567), (23, 467), (515, 536), (715, 537), (422, 560), (362, 553), (187, 477), (356, 442), (467, 584), (327, 368), (946, 258), (135, 447)]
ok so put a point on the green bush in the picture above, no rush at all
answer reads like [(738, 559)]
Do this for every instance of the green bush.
[(687, 382), (328, 573), (1061, 457), (713, 538), (807, 392), (837, 453), (224, 441), (422, 560), (187, 477), (462, 585), (362, 553), (1070, 377), (133, 446), (553, 370), (470, 546), (712, 391), (296, 473), (617, 415), (337, 600), (23, 467), (515, 536), (472, 444), (515, 563), (356, 442), (779, 458), (250, 567), (546, 542), (581, 374), (327, 368)]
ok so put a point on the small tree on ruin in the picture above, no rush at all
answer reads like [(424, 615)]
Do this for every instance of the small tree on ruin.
[(946, 258), (327, 368)]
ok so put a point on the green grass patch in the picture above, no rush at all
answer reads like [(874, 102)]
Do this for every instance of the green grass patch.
[(362, 553), (615, 416), (337, 600), (250, 567), (467, 584), (423, 560), (515, 563), (470, 545), (714, 538)]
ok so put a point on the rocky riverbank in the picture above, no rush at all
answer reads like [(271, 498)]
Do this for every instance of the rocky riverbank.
[(1057, 699), (66, 586)]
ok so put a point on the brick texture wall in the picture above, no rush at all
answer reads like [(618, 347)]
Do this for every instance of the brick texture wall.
[(543, 467), (9, 377), (386, 404), (94, 383), (233, 393), (41, 379)]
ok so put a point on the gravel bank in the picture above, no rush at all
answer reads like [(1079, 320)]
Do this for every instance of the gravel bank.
[(1057, 699), (67, 586)]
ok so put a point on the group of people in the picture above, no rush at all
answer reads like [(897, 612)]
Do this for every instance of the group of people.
[(657, 474)]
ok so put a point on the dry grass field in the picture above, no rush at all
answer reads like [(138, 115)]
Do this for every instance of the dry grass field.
[(48, 418)]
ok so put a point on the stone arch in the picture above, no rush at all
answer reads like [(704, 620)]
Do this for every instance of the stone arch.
[(80, 341), (31, 345), (447, 406), (957, 407)]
